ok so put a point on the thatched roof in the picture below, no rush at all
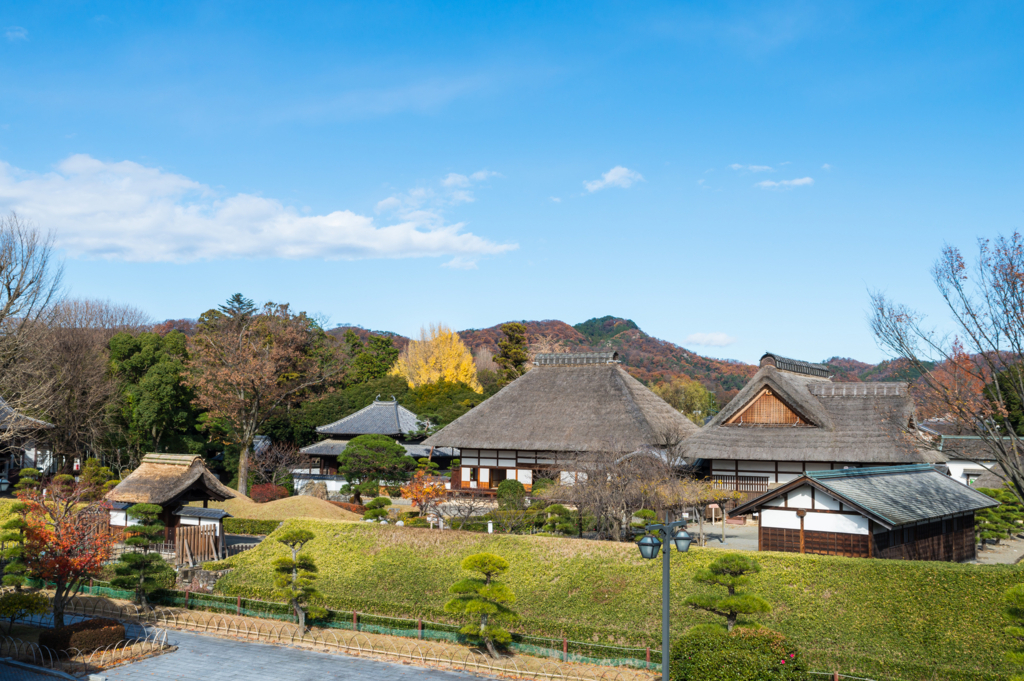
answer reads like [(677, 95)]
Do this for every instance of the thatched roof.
[(571, 407), (164, 478), (846, 422), (382, 417)]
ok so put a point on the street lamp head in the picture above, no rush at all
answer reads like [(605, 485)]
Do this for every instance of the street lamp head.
[(682, 541), (649, 547), (4, 484)]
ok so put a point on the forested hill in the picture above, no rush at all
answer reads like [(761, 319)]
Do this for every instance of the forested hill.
[(651, 359)]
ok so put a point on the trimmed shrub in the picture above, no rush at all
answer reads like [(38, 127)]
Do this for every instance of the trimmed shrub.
[(377, 508), (85, 636), (261, 494), (250, 526), (709, 653), (355, 508)]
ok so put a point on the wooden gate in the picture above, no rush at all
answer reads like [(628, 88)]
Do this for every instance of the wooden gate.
[(195, 544)]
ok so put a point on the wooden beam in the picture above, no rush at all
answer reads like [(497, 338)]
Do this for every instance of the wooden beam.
[(801, 534)]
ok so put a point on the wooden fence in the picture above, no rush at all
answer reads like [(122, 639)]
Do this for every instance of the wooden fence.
[(196, 544)]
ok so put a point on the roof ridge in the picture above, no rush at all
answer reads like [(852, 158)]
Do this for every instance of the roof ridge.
[(870, 470)]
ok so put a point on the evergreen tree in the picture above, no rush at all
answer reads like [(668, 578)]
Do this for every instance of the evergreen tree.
[(238, 307), (12, 541), (139, 571), (731, 571), (377, 508), (369, 460), (295, 576), (483, 601), (96, 480), (29, 479), (512, 353), (371, 361)]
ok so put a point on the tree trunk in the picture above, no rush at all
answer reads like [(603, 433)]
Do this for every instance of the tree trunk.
[(730, 621), (301, 614), (243, 471), (59, 591), (487, 642)]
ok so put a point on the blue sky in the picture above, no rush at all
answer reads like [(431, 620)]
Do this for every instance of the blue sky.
[(734, 177)]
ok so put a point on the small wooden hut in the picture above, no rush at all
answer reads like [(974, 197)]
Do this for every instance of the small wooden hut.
[(912, 512), (171, 481), (569, 403)]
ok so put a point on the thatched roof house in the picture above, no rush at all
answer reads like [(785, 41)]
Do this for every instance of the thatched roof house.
[(170, 480), (569, 403), (791, 418)]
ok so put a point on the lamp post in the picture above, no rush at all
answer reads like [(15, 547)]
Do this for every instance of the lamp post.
[(649, 547)]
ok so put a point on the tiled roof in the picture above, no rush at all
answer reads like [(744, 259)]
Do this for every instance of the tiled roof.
[(380, 418), (200, 512), (891, 495), (795, 366), (575, 358), (11, 419), (329, 447)]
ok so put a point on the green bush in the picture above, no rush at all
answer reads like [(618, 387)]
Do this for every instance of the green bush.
[(85, 636), (708, 653), (249, 526), (377, 508)]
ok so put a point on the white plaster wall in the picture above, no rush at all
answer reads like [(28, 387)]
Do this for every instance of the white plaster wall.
[(525, 476), (835, 522), (787, 520), (791, 467), (788, 477), (958, 469), (818, 466), (800, 497), (757, 466), (777, 501), (825, 501)]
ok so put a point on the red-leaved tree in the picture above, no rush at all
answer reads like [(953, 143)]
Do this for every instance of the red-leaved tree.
[(67, 539)]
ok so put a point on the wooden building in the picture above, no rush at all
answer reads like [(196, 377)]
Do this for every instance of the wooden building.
[(911, 512), (170, 481), (567, 404), (24, 443), (791, 419)]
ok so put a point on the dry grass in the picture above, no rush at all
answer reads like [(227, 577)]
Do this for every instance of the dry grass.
[(284, 509)]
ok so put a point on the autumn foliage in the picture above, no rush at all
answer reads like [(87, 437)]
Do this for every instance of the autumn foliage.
[(425, 490), (261, 494), (438, 355)]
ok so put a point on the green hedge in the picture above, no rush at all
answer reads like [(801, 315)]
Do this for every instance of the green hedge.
[(711, 654), (248, 526), (886, 619)]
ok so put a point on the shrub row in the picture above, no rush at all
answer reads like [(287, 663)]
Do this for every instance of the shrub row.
[(250, 526), (355, 508), (85, 636)]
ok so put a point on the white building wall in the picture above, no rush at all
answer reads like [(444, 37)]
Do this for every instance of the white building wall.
[(784, 519), (961, 471), (836, 522), (800, 497)]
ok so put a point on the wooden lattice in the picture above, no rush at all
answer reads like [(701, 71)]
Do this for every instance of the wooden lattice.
[(767, 409)]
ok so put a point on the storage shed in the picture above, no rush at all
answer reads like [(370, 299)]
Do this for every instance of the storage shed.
[(909, 512)]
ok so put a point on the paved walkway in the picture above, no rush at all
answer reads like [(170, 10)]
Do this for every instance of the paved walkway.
[(208, 658)]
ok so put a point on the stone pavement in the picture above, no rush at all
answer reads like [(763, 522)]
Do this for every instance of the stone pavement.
[(208, 658), (12, 672)]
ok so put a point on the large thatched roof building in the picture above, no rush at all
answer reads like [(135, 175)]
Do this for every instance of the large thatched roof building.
[(791, 418), (568, 403)]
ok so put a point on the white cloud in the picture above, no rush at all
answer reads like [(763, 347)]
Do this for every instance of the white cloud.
[(826, 167), (461, 263), (14, 33), (455, 180), (616, 177), (752, 169), (786, 184), (556, 199), (715, 340), (127, 211)]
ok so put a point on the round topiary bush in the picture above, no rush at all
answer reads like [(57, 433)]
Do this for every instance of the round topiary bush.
[(709, 653)]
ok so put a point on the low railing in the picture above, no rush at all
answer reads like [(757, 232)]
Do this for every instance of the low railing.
[(740, 483)]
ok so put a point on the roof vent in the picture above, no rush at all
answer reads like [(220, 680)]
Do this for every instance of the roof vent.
[(795, 366), (575, 358)]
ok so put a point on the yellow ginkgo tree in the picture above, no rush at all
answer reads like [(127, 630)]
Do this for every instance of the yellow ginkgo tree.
[(439, 355)]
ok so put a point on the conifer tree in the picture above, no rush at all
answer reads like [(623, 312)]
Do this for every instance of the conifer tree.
[(483, 601), (295, 576), (512, 356), (12, 541), (139, 571), (28, 480), (731, 571)]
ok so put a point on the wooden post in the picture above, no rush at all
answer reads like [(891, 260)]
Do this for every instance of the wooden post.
[(648, 655), (238, 606), (871, 538), (186, 598), (355, 621), (801, 530), (419, 621), (565, 649), (835, 676)]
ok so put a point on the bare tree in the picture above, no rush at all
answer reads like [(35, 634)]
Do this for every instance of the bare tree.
[(464, 507), (30, 282), (970, 373), (274, 464)]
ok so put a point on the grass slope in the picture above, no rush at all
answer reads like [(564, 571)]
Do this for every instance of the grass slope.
[(284, 509), (885, 619)]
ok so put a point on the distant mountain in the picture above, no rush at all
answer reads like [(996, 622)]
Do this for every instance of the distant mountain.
[(647, 358)]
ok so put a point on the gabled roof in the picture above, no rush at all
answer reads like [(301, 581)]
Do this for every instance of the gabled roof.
[(163, 478), (848, 422), (11, 419), (383, 417), (570, 407), (796, 366), (329, 447), (890, 495)]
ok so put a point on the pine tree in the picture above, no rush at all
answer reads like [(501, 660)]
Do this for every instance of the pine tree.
[(512, 356), (295, 576), (28, 480), (12, 540), (485, 599), (238, 307), (139, 571), (731, 571)]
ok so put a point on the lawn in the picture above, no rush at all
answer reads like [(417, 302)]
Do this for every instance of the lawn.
[(283, 509), (877, 618)]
